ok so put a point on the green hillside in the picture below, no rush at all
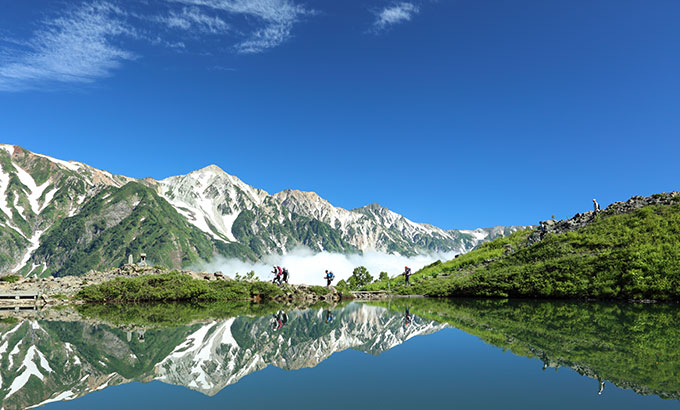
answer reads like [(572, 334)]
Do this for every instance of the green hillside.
[(629, 251), (118, 222)]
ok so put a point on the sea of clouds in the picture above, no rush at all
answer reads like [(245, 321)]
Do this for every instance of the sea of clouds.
[(307, 266)]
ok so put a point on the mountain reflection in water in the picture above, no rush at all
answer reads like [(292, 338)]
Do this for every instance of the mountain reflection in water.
[(207, 348)]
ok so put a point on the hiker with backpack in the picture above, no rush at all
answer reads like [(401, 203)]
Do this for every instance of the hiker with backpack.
[(407, 275), (278, 272), (285, 275), (329, 278)]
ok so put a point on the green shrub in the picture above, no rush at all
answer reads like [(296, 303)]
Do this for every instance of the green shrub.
[(175, 286), (320, 290), (9, 278)]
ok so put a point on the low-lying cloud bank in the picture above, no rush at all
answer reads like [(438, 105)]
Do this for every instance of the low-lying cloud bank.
[(306, 266)]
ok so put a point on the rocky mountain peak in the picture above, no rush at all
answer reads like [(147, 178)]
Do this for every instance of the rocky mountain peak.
[(211, 168)]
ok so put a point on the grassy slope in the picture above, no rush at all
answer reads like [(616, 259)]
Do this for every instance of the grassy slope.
[(628, 256)]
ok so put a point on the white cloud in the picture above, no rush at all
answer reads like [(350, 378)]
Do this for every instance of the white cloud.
[(398, 13), (191, 18), (84, 43), (74, 48), (308, 267), (273, 19)]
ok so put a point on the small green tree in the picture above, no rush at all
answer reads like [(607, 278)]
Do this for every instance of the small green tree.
[(360, 277), (342, 285), (250, 277), (383, 276)]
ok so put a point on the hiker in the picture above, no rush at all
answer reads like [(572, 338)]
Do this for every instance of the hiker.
[(278, 272), (407, 275), (596, 207), (285, 275), (329, 278)]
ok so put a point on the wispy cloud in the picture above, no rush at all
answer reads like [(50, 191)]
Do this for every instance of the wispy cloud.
[(76, 47), (192, 18), (272, 20), (91, 39), (395, 14)]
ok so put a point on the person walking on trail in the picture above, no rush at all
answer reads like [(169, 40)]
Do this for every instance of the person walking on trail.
[(285, 275), (407, 275), (278, 272), (596, 207), (329, 278)]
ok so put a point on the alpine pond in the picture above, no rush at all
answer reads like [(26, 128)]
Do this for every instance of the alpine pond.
[(397, 353)]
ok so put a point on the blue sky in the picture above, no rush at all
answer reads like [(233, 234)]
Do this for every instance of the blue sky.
[(460, 114)]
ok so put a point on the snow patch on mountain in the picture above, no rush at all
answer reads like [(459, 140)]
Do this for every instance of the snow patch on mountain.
[(478, 234), (34, 243), (35, 191), (70, 165)]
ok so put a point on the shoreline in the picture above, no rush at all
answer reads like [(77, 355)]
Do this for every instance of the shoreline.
[(62, 291)]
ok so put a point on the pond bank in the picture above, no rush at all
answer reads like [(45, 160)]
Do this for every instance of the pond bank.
[(132, 283)]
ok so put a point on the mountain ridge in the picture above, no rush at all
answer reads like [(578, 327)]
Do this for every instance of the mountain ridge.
[(44, 200)]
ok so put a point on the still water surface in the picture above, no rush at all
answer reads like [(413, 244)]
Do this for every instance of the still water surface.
[(466, 354)]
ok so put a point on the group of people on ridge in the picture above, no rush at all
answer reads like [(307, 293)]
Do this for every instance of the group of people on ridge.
[(280, 275)]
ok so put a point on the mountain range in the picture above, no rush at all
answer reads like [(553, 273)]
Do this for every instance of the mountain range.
[(65, 218)]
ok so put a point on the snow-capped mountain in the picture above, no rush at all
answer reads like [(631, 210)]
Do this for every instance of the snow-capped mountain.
[(214, 201), (47, 361), (64, 217)]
